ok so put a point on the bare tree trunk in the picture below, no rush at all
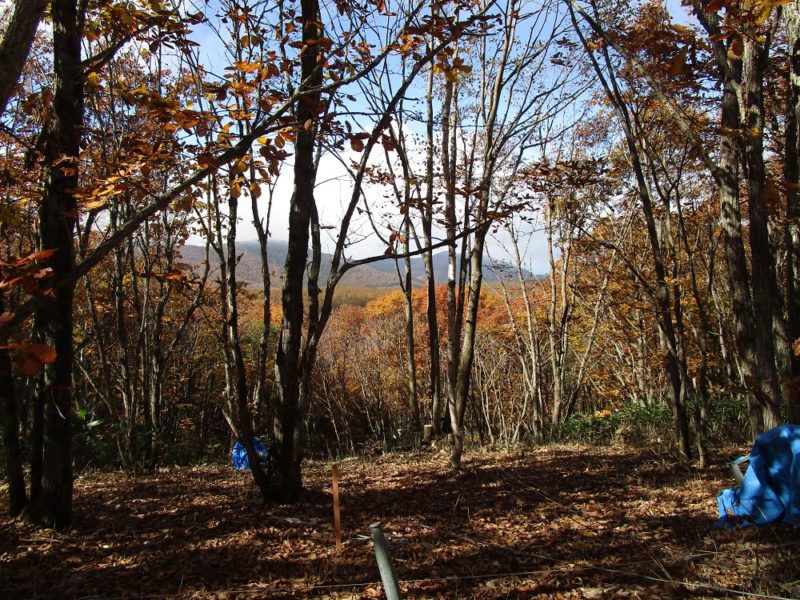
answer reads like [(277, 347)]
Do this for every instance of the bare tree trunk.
[(17, 496), (659, 291), (288, 424), (262, 229), (427, 259), (236, 389), (467, 354), (738, 277), (405, 278), (408, 314), (17, 44), (526, 341), (764, 282), (53, 507), (558, 314), (453, 281), (755, 370), (792, 176)]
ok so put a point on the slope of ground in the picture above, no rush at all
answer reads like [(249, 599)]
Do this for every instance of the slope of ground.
[(558, 522)]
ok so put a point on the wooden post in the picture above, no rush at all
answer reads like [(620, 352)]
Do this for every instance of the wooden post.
[(337, 524), (427, 434)]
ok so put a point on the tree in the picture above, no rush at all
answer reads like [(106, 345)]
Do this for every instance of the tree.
[(509, 109), (792, 176), (51, 489), (16, 44)]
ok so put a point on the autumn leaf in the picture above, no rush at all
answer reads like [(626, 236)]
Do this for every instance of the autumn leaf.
[(37, 256), (92, 80), (678, 64), (357, 141), (388, 143), (239, 166), (357, 145), (31, 358), (97, 203), (174, 276), (736, 49)]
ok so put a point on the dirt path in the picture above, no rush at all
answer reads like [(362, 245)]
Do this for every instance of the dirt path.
[(559, 522)]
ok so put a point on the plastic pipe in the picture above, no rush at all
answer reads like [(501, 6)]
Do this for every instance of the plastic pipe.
[(388, 574)]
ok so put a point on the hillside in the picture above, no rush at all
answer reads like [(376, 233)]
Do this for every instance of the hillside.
[(381, 274)]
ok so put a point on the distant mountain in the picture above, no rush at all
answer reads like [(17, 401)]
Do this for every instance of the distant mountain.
[(440, 268), (379, 274)]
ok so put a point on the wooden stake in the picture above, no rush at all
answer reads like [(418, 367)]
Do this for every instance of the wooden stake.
[(337, 525)]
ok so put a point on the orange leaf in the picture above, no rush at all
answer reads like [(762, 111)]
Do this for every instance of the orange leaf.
[(43, 352), (678, 64), (357, 144), (30, 359), (40, 255)]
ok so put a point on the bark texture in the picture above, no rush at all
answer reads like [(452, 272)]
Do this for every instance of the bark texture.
[(288, 423), (52, 505), (17, 44)]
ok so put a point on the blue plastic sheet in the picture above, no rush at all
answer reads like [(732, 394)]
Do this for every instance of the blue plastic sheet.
[(239, 454), (770, 490)]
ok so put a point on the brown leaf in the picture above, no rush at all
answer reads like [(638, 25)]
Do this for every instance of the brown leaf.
[(30, 359), (357, 144)]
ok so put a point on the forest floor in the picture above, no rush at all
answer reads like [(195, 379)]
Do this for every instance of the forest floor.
[(553, 523)]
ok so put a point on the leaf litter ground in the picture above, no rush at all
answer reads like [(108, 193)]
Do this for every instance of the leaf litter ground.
[(552, 523)]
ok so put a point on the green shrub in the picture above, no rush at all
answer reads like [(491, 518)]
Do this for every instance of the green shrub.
[(633, 424), (644, 425), (595, 429), (727, 419), (636, 424)]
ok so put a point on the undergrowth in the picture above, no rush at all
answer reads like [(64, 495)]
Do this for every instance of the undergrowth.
[(638, 424)]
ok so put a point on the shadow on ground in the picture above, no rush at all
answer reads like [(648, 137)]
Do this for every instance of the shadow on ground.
[(558, 522)]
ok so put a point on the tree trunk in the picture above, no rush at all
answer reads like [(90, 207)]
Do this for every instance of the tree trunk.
[(288, 423), (731, 221), (17, 496), (53, 507), (17, 44), (427, 259), (764, 281), (792, 176), (411, 363), (727, 176), (449, 155), (467, 354)]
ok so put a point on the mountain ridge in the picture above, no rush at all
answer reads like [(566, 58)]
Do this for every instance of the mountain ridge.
[(381, 273)]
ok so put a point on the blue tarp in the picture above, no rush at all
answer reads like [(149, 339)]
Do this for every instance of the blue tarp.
[(239, 454), (770, 490)]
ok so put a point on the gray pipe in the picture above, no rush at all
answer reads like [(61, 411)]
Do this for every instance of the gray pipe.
[(388, 574)]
